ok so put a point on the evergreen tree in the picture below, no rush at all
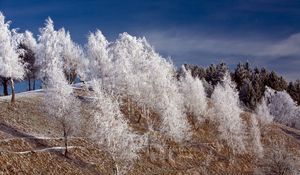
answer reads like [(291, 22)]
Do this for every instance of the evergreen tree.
[(294, 90)]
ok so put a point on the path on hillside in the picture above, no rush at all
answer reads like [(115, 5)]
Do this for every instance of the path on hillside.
[(292, 133), (39, 145)]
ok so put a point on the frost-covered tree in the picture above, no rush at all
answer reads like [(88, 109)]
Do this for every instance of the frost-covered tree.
[(142, 75), (29, 40), (283, 107), (59, 101), (61, 105), (29, 45), (49, 51), (11, 66), (56, 49), (227, 114), (194, 96), (72, 56), (97, 51), (263, 112), (111, 131), (132, 69), (210, 76), (256, 136)]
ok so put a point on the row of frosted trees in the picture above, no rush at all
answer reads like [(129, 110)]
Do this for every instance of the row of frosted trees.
[(251, 83), (128, 72), (22, 57)]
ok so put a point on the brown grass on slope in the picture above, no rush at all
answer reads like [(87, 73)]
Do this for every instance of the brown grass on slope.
[(23, 152)]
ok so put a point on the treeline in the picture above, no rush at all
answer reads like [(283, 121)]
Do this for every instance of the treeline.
[(250, 83), (31, 59)]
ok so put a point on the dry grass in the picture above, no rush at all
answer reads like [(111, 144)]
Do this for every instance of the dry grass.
[(20, 152)]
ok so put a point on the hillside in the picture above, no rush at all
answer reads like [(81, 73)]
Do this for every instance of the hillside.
[(32, 144)]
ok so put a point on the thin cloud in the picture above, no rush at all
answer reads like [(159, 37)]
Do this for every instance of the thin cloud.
[(224, 46), (281, 55), (286, 47)]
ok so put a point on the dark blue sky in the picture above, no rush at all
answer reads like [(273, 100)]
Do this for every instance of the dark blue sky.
[(264, 32)]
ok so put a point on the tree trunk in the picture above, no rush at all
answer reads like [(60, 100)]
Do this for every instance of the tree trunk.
[(116, 168), (5, 89), (33, 88), (66, 141), (69, 78), (12, 90), (29, 84)]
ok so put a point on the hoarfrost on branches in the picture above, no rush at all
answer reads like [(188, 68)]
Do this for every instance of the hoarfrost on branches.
[(263, 112), (194, 96), (72, 57), (283, 107), (57, 51), (150, 80), (257, 146), (97, 52), (131, 68), (29, 40), (227, 114), (48, 55), (112, 131), (59, 101), (61, 105), (11, 65)]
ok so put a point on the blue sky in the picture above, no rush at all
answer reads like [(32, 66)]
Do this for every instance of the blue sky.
[(264, 32)]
